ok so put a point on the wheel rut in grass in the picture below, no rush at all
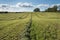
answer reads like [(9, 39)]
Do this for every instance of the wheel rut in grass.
[(26, 34)]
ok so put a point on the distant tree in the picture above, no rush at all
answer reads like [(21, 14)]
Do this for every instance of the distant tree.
[(3, 12), (49, 10), (36, 10), (53, 9), (59, 8), (6, 12)]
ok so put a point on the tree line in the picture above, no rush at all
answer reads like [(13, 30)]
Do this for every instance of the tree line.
[(52, 9), (3, 12)]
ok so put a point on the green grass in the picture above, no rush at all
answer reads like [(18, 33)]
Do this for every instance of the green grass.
[(45, 26), (11, 29)]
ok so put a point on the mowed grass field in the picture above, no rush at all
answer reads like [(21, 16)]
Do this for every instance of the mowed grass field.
[(40, 25)]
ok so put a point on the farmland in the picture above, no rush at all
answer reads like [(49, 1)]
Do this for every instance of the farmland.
[(30, 26)]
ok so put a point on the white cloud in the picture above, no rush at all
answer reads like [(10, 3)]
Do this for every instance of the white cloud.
[(58, 4), (54, 5), (4, 6), (20, 7), (43, 5), (17, 7), (25, 4)]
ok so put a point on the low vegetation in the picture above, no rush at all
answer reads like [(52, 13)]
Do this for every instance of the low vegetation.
[(30, 26)]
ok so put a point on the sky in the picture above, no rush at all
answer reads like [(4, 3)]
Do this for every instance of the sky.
[(26, 5)]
